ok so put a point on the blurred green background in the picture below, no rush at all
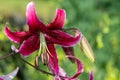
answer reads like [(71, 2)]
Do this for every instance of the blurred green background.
[(98, 20)]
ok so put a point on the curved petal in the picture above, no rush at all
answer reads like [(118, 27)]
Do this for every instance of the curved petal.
[(1, 78), (80, 67), (59, 20), (16, 36), (34, 23), (63, 38), (69, 51), (79, 71), (10, 76), (30, 45), (62, 72), (53, 62), (57, 78)]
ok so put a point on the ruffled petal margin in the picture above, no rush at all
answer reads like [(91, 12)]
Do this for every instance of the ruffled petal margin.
[(16, 36), (59, 21), (30, 45)]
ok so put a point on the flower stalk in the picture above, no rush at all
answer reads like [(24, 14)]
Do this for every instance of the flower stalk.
[(40, 70), (8, 55), (13, 54)]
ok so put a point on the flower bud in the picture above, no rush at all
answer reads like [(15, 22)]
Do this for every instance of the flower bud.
[(87, 50)]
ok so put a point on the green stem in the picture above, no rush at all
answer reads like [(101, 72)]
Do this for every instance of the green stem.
[(44, 72), (8, 55), (13, 54)]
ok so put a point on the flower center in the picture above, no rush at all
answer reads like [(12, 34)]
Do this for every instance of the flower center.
[(43, 50)]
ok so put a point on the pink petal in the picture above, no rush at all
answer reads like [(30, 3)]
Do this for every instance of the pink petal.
[(62, 38), (62, 72), (10, 76), (69, 51), (57, 78), (80, 67), (53, 59), (59, 21), (16, 36), (91, 76), (34, 23), (1, 78), (30, 45)]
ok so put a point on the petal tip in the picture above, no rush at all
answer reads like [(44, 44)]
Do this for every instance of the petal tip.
[(61, 11), (91, 75), (29, 6), (59, 21), (8, 33)]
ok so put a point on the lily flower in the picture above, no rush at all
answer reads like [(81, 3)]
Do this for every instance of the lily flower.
[(9, 76), (52, 32), (43, 37)]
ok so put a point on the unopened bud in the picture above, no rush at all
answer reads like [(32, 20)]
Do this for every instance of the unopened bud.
[(86, 48)]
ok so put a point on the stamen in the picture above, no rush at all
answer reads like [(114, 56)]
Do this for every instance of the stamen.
[(43, 50), (48, 51), (45, 58), (36, 61)]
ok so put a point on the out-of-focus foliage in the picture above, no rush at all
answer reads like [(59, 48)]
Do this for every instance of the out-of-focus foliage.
[(98, 20)]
